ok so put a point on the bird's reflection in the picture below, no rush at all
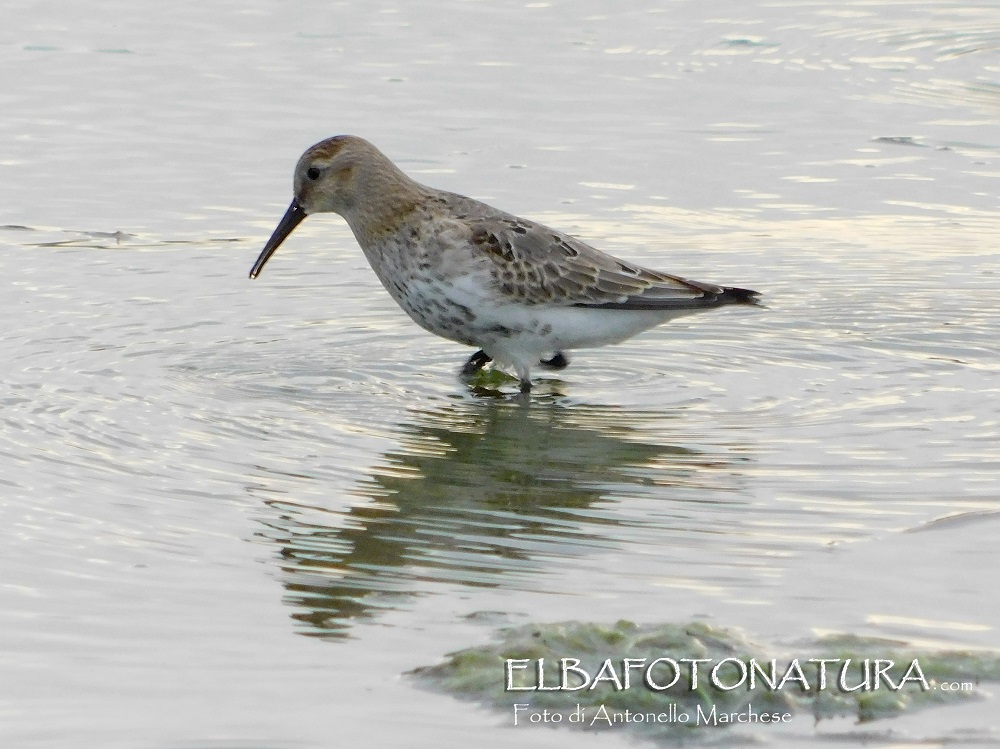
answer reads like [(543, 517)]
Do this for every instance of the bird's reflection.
[(479, 493)]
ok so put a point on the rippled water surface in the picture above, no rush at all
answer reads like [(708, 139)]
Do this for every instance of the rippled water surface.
[(234, 513)]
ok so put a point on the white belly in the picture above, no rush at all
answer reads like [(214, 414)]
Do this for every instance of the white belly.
[(515, 334)]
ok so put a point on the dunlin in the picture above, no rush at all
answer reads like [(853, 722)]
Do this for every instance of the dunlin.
[(520, 292)]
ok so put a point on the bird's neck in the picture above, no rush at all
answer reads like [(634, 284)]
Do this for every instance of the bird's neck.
[(384, 201)]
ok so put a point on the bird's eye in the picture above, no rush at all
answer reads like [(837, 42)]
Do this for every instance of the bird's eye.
[(312, 173)]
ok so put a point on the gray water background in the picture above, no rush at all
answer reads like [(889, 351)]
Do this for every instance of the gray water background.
[(234, 513)]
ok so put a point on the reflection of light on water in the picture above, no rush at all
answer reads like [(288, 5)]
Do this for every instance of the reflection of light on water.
[(909, 621), (933, 232), (608, 186)]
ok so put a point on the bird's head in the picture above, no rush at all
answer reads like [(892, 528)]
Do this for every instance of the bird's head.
[(338, 175)]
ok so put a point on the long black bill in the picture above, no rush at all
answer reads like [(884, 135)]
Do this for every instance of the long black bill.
[(292, 218)]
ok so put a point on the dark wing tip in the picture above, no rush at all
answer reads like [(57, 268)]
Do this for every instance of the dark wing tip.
[(711, 297), (734, 295)]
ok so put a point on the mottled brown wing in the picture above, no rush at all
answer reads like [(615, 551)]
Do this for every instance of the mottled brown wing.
[(535, 264)]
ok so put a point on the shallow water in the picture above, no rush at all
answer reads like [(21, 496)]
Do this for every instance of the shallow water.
[(235, 512)]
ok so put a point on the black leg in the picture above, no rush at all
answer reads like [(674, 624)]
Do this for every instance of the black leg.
[(559, 361), (476, 362), (525, 386)]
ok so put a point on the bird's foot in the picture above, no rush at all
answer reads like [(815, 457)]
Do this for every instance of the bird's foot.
[(558, 361), (525, 385), (476, 362)]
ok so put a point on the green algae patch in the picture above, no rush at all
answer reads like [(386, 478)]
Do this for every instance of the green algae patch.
[(949, 676), (675, 682), (491, 378), (489, 382)]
